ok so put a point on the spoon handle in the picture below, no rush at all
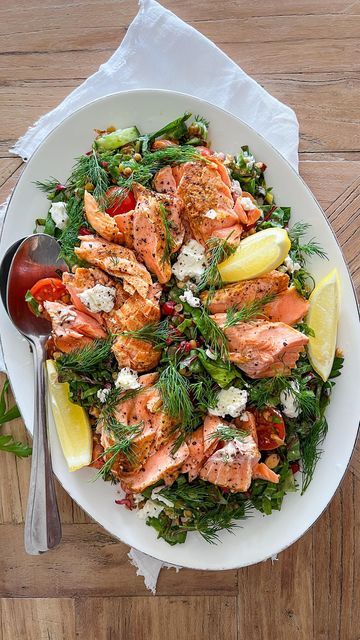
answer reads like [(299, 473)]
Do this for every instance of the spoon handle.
[(42, 523)]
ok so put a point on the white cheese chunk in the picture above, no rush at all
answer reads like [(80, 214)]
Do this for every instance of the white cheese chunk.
[(189, 297), (155, 495), (102, 394), (191, 261), (98, 298), (150, 510), (247, 204), (291, 266), (230, 402), (212, 214), (289, 404), (59, 215), (127, 379)]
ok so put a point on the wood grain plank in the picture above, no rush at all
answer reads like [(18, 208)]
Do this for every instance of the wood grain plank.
[(336, 566), (196, 618), (327, 180), (34, 619), (278, 595), (90, 562)]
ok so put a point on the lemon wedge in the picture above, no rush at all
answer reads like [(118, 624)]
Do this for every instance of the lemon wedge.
[(257, 254), (322, 317), (71, 420)]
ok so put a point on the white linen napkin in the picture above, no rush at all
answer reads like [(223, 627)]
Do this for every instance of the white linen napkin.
[(159, 51)]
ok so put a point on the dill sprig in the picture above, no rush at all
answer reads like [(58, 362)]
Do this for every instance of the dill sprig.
[(204, 392), (310, 450), (69, 237), (247, 312), (169, 243), (175, 389), (267, 392), (301, 251), (123, 436), (157, 334), (227, 432), (217, 251), (47, 186), (89, 169), (86, 359)]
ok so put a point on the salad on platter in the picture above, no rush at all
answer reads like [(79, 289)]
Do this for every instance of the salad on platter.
[(192, 355)]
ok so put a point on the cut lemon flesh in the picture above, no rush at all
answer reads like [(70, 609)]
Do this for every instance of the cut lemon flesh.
[(71, 420), (323, 318), (256, 255)]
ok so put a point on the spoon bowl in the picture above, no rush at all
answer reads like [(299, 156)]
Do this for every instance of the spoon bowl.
[(36, 257)]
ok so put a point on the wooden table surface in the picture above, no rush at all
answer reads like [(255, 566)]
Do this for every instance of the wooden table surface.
[(306, 53)]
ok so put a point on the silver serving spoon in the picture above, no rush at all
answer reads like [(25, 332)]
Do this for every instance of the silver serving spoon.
[(35, 258)]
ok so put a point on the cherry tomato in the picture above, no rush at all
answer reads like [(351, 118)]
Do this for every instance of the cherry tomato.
[(119, 202), (270, 429), (51, 289), (168, 308)]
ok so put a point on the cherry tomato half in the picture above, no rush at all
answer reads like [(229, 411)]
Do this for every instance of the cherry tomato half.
[(119, 202), (50, 289), (270, 429)]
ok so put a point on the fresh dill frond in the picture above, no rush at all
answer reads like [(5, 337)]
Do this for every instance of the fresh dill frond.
[(227, 432), (300, 251), (204, 392), (123, 436), (217, 251), (248, 311), (89, 170), (158, 334), (69, 237), (86, 359), (169, 243), (203, 121), (310, 450), (47, 186), (175, 393)]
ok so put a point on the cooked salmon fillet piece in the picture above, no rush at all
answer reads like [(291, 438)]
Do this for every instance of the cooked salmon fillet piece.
[(231, 467), (164, 181), (72, 329), (134, 314), (263, 349), (201, 445), (247, 216), (240, 293), (162, 464), (125, 223), (289, 307), (103, 224), (83, 279), (150, 234), (262, 471), (202, 189), (116, 260)]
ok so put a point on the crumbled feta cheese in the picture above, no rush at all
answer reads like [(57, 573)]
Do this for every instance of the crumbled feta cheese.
[(210, 354), (249, 159), (236, 190), (137, 498), (219, 154), (189, 297), (98, 298), (230, 402), (102, 394), (127, 379), (291, 266), (150, 510), (59, 215), (191, 261), (247, 204), (155, 495), (289, 404), (212, 214)]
